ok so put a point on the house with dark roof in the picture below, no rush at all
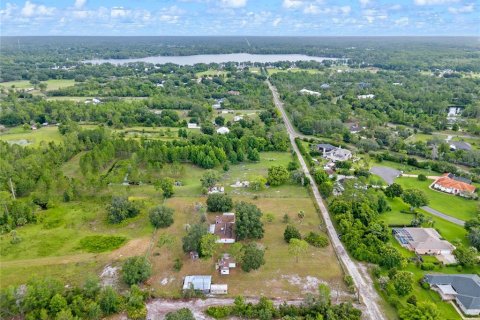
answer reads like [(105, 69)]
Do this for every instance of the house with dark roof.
[(460, 145), (463, 289), (333, 153), (223, 228)]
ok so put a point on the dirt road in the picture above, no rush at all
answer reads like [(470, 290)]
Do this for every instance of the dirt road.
[(362, 280)]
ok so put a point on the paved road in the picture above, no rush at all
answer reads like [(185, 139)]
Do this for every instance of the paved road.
[(444, 216), (362, 281), (386, 173)]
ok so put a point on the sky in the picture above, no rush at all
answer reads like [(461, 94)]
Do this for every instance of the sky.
[(240, 17)]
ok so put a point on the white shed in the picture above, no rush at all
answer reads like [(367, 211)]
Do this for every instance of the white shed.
[(219, 289)]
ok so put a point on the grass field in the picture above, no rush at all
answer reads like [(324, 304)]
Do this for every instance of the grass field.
[(211, 73), (280, 277), (406, 168), (52, 84), (449, 204), (33, 137), (276, 70)]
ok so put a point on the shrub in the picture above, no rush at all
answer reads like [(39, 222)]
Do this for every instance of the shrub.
[(219, 312), (427, 266), (422, 177), (178, 264), (291, 233), (181, 314), (161, 216), (253, 257), (101, 243), (136, 270), (317, 240)]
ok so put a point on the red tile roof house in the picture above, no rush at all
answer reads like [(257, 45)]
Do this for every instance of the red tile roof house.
[(447, 183), (224, 228)]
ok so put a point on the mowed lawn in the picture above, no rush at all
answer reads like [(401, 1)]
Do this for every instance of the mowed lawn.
[(449, 204), (32, 137), (52, 84), (280, 277)]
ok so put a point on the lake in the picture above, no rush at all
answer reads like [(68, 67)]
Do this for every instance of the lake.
[(213, 58)]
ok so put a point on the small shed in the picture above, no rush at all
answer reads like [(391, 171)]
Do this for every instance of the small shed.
[(197, 283), (219, 289)]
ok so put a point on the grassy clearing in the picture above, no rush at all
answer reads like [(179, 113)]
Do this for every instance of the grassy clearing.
[(100, 243), (280, 277), (211, 73), (276, 70), (33, 137), (452, 205), (52, 84)]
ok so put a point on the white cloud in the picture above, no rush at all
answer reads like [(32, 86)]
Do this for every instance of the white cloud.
[(31, 9), (276, 22), (79, 4), (292, 4), (403, 21), (395, 7), (465, 9), (168, 18), (233, 3), (432, 2), (119, 12), (7, 13), (372, 14), (364, 3), (314, 9)]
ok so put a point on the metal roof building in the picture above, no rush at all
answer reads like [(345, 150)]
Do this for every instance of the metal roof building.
[(200, 283)]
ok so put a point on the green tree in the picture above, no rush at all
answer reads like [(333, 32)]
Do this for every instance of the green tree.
[(207, 128), (403, 282), (208, 245), (248, 224), (57, 303), (253, 257), (474, 237), (415, 198), (393, 190), (237, 251), (191, 241), (136, 270), (297, 247), (121, 209), (109, 300), (466, 256), (219, 121), (65, 314), (291, 233), (181, 314), (166, 185), (210, 178), (218, 202), (277, 175), (161, 216)]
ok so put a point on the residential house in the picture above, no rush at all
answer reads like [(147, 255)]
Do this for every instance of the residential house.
[(216, 189), (333, 153), (463, 289), (425, 241), (225, 263), (193, 126), (234, 93), (224, 228), (452, 184), (325, 86), (198, 283), (310, 92), (366, 96), (223, 130), (237, 118), (460, 145)]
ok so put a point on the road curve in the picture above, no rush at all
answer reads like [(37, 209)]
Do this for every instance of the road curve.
[(363, 282)]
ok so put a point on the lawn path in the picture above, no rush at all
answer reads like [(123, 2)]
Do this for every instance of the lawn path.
[(362, 280)]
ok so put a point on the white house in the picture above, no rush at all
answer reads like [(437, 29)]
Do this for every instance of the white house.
[(223, 130), (310, 92), (219, 289), (366, 96), (237, 118), (225, 264), (193, 126)]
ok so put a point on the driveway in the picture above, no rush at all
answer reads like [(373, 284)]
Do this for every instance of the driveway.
[(444, 216), (386, 173)]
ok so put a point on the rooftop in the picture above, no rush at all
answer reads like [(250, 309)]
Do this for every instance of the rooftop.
[(422, 239), (196, 282), (447, 182), (466, 287)]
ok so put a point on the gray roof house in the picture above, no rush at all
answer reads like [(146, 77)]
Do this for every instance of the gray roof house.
[(198, 283), (464, 289), (460, 145)]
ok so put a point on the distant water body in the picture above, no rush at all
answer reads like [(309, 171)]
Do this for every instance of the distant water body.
[(213, 58)]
